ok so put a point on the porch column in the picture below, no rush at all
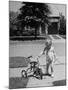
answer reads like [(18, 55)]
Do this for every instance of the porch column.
[(46, 29), (40, 31)]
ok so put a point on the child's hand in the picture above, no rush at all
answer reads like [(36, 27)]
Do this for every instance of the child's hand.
[(38, 57)]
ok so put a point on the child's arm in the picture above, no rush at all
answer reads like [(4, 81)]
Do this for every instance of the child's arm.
[(42, 53)]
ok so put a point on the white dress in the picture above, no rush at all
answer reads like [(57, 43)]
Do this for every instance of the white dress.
[(51, 55), (47, 58)]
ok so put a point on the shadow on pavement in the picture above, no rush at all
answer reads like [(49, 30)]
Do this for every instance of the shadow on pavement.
[(38, 76), (16, 62), (15, 83), (59, 83)]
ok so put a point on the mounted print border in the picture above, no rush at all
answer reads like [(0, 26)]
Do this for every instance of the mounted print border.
[(37, 44)]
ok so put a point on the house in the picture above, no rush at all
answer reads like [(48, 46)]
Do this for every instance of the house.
[(53, 27)]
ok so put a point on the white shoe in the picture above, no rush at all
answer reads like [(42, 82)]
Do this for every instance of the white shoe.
[(52, 75)]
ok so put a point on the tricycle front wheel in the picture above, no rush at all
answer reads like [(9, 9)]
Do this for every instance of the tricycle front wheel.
[(23, 74)]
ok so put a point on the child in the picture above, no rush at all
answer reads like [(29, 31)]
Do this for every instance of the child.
[(50, 55), (33, 63)]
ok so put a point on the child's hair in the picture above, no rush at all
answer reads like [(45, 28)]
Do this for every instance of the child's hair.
[(48, 42)]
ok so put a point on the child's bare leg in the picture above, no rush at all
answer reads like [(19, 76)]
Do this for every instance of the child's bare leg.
[(47, 69), (52, 70)]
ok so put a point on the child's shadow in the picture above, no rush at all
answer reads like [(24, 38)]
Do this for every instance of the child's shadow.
[(47, 74)]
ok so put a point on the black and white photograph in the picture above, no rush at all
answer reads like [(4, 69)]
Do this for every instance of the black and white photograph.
[(37, 44)]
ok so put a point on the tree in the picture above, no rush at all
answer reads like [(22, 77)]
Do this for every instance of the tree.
[(34, 15), (12, 22)]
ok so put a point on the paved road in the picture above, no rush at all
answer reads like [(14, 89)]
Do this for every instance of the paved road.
[(34, 48)]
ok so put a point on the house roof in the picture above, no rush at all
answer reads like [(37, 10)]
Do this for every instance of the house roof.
[(56, 9)]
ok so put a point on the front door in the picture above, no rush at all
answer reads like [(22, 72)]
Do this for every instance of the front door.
[(53, 28)]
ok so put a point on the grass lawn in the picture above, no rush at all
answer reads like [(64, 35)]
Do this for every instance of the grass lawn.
[(15, 62), (15, 83), (28, 38)]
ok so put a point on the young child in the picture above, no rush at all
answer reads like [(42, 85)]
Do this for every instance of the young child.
[(33, 63), (50, 55)]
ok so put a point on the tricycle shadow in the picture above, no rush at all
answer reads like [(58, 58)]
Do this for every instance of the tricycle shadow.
[(37, 77)]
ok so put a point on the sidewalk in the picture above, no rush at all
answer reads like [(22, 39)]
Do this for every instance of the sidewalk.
[(59, 75)]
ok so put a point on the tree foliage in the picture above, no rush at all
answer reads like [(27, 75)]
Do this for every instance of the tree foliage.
[(12, 22), (33, 14)]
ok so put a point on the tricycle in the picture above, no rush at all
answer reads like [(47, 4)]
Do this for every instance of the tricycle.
[(32, 69)]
